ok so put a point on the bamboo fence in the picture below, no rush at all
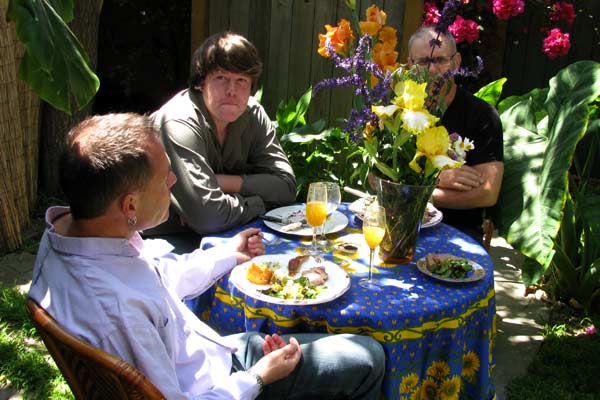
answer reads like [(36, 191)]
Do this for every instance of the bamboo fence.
[(19, 109)]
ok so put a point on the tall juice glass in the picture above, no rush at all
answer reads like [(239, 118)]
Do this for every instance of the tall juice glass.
[(334, 199), (316, 211), (373, 231)]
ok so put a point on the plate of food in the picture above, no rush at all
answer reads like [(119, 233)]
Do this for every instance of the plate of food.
[(290, 279), (431, 217), (292, 221), (449, 268)]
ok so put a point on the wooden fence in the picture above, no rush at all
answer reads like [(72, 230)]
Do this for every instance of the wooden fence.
[(286, 35)]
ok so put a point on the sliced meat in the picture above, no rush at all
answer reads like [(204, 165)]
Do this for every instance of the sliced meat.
[(316, 275), (295, 263)]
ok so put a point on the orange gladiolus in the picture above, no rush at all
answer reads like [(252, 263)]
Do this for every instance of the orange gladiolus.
[(370, 28), (374, 14), (384, 55), (389, 36), (341, 36)]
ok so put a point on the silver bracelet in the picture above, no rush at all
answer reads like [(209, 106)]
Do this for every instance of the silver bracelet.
[(259, 380)]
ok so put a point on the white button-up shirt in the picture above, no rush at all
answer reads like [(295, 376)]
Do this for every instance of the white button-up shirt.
[(123, 296)]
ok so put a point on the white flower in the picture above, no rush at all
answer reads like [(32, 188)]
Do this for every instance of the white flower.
[(461, 146), (416, 121)]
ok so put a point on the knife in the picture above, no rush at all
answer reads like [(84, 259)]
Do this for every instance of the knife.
[(358, 193), (272, 218), (281, 220)]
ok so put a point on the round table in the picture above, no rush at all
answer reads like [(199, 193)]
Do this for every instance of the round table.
[(438, 336)]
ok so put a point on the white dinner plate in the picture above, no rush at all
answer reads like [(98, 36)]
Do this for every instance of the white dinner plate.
[(337, 284), (358, 208), (474, 275), (335, 222), (436, 217)]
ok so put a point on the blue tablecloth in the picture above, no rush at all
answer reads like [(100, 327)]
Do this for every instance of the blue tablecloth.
[(438, 337)]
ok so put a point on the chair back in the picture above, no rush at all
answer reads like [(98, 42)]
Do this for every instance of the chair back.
[(488, 232), (90, 372)]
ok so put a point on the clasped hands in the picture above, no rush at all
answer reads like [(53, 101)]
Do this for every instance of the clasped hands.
[(464, 178)]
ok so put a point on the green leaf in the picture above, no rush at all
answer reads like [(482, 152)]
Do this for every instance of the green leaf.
[(492, 91), (55, 64), (537, 163), (531, 270), (302, 106), (588, 207), (537, 96), (258, 95), (64, 8)]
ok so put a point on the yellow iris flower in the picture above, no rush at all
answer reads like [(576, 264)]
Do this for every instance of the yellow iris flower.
[(417, 121), (433, 144), (413, 94), (384, 112)]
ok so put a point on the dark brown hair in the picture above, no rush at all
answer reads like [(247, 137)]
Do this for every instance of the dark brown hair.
[(227, 51), (105, 157)]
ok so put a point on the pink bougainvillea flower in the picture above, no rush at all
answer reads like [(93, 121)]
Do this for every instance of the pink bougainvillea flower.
[(590, 330), (563, 11), (556, 43), (504, 9), (431, 14), (464, 30)]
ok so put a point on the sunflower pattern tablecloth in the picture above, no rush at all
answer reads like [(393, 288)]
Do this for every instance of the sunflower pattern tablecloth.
[(438, 337)]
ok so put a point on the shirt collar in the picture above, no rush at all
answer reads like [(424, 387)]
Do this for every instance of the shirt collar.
[(89, 246)]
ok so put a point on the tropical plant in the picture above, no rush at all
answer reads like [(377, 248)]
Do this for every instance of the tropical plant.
[(55, 64), (316, 153), (549, 206)]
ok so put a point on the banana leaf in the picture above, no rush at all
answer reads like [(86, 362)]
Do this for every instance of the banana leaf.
[(491, 92), (55, 64), (539, 144)]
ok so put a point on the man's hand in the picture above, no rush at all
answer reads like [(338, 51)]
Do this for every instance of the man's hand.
[(280, 359), (248, 243), (464, 179)]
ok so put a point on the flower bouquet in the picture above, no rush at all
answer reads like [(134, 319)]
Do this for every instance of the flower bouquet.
[(395, 122)]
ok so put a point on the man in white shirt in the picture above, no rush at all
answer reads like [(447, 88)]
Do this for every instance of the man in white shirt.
[(102, 282)]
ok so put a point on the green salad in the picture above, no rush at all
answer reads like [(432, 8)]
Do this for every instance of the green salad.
[(293, 289), (453, 268)]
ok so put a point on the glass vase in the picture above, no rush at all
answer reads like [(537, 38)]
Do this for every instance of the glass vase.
[(404, 205)]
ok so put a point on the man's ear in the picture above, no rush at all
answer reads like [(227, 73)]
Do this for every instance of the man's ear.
[(128, 205), (457, 60)]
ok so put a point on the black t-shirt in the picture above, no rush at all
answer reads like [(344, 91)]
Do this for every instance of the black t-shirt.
[(475, 119)]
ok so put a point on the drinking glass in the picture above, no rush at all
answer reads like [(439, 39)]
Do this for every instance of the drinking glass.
[(334, 199), (373, 231), (316, 211)]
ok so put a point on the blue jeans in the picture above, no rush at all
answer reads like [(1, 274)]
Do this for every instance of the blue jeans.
[(341, 366)]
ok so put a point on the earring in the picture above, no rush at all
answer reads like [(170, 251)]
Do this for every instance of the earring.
[(132, 221)]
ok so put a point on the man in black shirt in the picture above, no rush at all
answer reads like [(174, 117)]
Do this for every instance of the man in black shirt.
[(463, 193)]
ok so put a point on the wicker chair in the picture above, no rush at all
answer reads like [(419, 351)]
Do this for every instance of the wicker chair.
[(488, 232), (90, 372)]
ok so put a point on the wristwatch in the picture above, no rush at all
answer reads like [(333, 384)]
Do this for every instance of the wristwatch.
[(259, 380)]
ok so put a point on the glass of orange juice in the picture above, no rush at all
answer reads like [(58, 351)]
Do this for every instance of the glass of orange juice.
[(316, 210), (373, 231)]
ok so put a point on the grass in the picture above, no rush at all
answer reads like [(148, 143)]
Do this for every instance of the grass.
[(566, 365), (26, 365)]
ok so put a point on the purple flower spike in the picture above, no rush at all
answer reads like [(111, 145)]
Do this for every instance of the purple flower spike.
[(453, 137), (448, 15)]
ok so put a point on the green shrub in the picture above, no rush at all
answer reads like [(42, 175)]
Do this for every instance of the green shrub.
[(548, 208)]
